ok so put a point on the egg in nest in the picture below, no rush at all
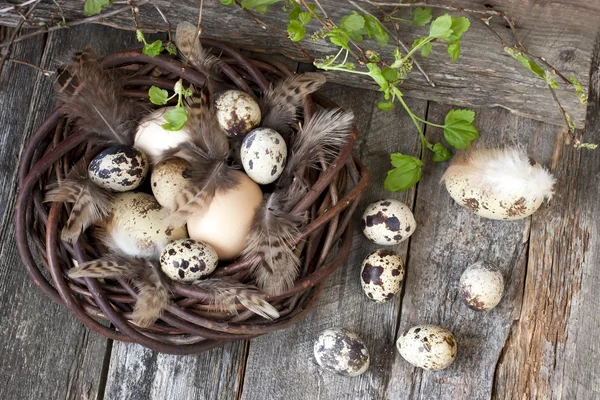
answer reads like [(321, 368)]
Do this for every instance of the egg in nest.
[(119, 168), (169, 177), (187, 260), (342, 352), (153, 139), (263, 154), (237, 112)]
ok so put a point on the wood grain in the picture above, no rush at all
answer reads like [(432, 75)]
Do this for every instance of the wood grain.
[(281, 364), (562, 31), (553, 350)]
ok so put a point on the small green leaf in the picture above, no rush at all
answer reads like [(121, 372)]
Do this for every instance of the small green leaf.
[(527, 63), (425, 48), (421, 16), (153, 49), (454, 50), (407, 172), (459, 26), (441, 27), (579, 90), (305, 17), (591, 146), (390, 74), (352, 22), (374, 29), (373, 56), (227, 2), (93, 7), (339, 37), (296, 31), (440, 153), (570, 123), (261, 6), (459, 131), (295, 13), (171, 48), (385, 105), (550, 80), (158, 96), (140, 36), (375, 73), (176, 119)]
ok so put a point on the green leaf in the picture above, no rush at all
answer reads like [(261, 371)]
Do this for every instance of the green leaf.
[(374, 29), (441, 27), (570, 123), (296, 31), (459, 26), (425, 49), (407, 172), (339, 37), (527, 63), (385, 105), (390, 74), (459, 130), (171, 48), (440, 153), (153, 49), (421, 16), (352, 22), (261, 6), (227, 2), (579, 90), (454, 50), (140, 36), (93, 7), (158, 96), (305, 17), (295, 13), (176, 119), (550, 80), (372, 56), (375, 73)]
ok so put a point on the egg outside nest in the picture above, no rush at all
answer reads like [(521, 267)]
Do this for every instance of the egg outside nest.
[(381, 275), (430, 347), (342, 352), (388, 222), (481, 286)]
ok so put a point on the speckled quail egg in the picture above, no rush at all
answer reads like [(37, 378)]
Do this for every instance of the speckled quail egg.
[(237, 112), (119, 168), (168, 178), (388, 222), (187, 260), (342, 352), (137, 226), (481, 286), (263, 155), (430, 347), (500, 184), (381, 275), (153, 139)]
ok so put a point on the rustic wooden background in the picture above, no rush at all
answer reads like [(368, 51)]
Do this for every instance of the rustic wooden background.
[(540, 342)]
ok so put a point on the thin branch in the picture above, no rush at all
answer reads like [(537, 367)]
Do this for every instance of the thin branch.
[(14, 8), (441, 6), (42, 70), (564, 115), (196, 37), (169, 32), (13, 37), (318, 3)]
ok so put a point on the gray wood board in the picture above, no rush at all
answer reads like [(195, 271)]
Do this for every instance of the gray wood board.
[(561, 31), (281, 364)]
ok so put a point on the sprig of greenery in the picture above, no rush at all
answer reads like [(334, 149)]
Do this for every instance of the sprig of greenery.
[(177, 117), (93, 7), (155, 48)]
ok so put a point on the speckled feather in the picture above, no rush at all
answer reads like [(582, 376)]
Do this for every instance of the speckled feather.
[(190, 47), (153, 290)]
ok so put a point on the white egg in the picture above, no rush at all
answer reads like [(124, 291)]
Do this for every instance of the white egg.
[(168, 179), (481, 286), (381, 275), (342, 352), (388, 222), (498, 183), (187, 260), (137, 226), (430, 347), (263, 155), (119, 168), (226, 223), (237, 112), (153, 139)]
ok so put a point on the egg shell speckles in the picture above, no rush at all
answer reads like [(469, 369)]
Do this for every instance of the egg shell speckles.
[(153, 139), (381, 275), (119, 168), (263, 155), (429, 347), (342, 352), (481, 286), (188, 260), (168, 178), (388, 222), (237, 112)]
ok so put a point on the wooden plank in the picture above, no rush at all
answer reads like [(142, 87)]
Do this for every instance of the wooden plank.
[(553, 351), (45, 353), (282, 364), (484, 76), (447, 240)]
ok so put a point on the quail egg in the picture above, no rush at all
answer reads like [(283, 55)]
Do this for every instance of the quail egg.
[(381, 275), (342, 352), (119, 168), (237, 112), (481, 286), (187, 260), (388, 222), (263, 155), (153, 139), (168, 178), (430, 347)]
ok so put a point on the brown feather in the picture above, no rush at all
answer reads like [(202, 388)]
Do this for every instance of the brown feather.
[(190, 47)]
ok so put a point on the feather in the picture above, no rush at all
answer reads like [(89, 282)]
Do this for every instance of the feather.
[(270, 248), (153, 290), (91, 203), (91, 99), (190, 47), (281, 102), (249, 296)]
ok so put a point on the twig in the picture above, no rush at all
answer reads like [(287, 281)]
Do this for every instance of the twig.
[(42, 70), (570, 134), (13, 37), (169, 32), (74, 23), (196, 37), (14, 8), (442, 6), (318, 3)]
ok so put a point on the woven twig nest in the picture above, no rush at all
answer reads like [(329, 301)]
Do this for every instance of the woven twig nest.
[(191, 323)]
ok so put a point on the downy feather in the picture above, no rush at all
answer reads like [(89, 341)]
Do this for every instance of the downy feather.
[(153, 290), (226, 293), (281, 102), (190, 47)]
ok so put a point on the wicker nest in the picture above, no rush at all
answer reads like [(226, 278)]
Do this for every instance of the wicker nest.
[(191, 323)]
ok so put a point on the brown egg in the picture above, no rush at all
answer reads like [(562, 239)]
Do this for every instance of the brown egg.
[(226, 223)]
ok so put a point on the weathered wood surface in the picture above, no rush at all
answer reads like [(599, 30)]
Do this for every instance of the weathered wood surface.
[(540, 342), (561, 31)]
